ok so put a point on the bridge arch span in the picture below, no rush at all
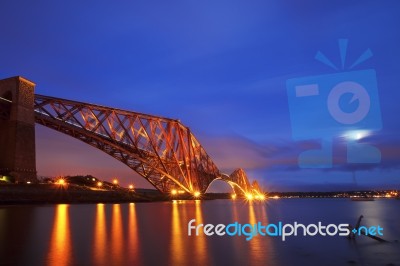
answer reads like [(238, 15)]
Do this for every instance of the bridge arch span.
[(162, 150), (233, 181)]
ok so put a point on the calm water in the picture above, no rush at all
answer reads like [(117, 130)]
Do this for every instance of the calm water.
[(156, 234)]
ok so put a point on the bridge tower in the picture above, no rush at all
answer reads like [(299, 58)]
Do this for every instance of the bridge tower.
[(17, 129)]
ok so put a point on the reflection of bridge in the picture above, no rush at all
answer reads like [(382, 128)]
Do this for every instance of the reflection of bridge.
[(162, 150)]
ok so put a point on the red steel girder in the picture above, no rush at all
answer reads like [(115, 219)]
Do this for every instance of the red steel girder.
[(162, 150)]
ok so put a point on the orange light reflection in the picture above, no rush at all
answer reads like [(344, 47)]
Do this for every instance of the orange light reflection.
[(100, 235), (256, 247), (177, 247), (133, 237), (200, 241), (117, 236), (60, 244)]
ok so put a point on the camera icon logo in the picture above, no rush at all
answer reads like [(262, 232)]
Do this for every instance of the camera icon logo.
[(343, 104), (358, 92)]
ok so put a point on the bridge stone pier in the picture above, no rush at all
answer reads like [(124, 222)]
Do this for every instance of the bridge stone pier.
[(17, 129)]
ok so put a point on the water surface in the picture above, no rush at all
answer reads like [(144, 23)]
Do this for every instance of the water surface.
[(156, 233)]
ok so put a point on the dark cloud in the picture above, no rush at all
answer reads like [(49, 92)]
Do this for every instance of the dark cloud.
[(233, 151)]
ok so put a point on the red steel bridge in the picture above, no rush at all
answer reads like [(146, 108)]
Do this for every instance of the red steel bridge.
[(162, 150)]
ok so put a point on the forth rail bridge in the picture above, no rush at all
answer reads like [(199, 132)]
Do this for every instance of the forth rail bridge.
[(163, 151)]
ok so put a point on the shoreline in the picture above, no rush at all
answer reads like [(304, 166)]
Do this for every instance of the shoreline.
[(11, 194), (30, 194)]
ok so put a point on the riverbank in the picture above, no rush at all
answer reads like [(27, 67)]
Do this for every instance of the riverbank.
[(54, 193), (14, 194)]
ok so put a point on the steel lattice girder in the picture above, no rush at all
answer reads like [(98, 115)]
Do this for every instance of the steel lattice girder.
[(161, 150), (240, 181)]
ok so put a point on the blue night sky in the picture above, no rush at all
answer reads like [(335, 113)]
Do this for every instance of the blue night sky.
[(219, 66)]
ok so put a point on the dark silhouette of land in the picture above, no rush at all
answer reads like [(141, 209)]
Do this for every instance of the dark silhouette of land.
[(71, 193), (53, 193), (89, 189)]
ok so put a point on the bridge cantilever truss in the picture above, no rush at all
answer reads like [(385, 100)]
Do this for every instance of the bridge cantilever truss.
[(162, 150)]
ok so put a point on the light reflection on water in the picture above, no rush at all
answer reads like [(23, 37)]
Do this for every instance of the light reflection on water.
[(200, 243), (100, 235), (156, 233), (177, 246), (117, 235), (133, 241), (60, 244), (256, 249)]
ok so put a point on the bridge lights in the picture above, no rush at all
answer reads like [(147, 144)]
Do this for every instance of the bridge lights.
[(249, 196), (257, 196), (174, 192), (131, 187), (53, 112), (196, 194), (233, 196)]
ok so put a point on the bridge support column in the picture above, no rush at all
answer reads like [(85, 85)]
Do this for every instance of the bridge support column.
[(17, 129)]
